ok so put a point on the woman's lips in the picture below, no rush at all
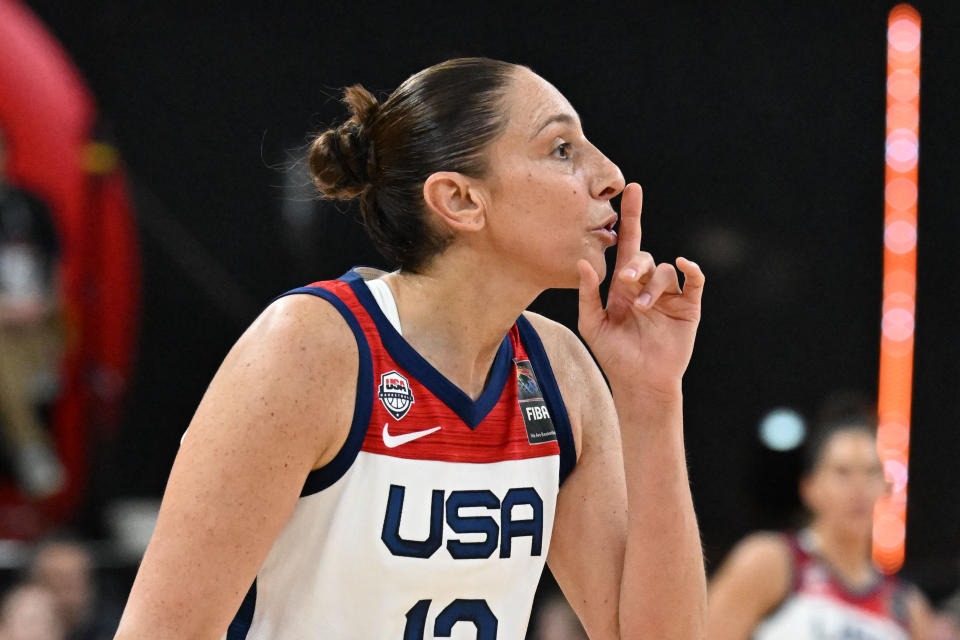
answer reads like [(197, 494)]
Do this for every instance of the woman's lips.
[(605, 231), (608, 236)]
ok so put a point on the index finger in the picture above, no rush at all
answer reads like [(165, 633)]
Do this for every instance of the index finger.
[(629, 236)]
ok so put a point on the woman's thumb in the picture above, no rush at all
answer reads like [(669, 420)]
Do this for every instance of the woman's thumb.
[(591, 307)]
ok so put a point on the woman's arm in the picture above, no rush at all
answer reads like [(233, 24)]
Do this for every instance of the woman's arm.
[(918, 610), (280, 405), (751, 582), (663, 591), (616, 593), (631, 506), (590, 528)]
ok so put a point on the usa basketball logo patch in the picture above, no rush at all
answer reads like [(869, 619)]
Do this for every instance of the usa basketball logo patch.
[(395, 394)]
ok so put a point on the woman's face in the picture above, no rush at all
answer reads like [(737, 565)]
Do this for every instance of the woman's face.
[(549, 188), (846, 483)]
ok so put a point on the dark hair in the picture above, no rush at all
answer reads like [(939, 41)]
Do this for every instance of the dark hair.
[(843, 412), (440, 119)]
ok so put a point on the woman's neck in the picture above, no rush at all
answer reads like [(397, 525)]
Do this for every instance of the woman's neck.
[(455, 314), (848, 555)]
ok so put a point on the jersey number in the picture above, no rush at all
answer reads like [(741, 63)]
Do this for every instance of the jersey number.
[(475, 611)]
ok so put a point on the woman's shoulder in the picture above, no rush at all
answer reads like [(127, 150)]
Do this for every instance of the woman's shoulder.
[(579, 379), (752, 582), (299, 327), (573, 367), (762, 557), (294, 371), (560, 343), (763, 549), (296, 346)]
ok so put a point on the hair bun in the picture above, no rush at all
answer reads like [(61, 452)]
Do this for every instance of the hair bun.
[(342, 158)]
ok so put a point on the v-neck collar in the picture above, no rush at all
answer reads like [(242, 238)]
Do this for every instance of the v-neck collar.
[(809, 543), (470, 411)]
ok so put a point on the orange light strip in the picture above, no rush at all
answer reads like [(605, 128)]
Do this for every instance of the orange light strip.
[(899, 282)]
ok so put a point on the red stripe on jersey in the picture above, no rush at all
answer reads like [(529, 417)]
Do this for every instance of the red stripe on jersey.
[(812, 575), (500, 436)]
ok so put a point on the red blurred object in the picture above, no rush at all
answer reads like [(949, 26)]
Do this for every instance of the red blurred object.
[(48, 117)]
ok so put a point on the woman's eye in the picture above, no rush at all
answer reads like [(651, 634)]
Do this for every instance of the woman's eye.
[(562, 151)]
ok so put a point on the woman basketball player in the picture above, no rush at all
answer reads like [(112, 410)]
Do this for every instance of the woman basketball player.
[(381, 456), (819, 582)]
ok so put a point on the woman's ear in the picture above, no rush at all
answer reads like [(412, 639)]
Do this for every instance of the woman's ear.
[(455, 199)]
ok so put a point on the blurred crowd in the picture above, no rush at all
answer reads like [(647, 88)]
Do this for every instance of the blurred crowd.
[(57, 597), (30, 336)]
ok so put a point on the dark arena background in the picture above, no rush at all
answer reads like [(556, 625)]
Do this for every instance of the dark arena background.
[(756, 130)]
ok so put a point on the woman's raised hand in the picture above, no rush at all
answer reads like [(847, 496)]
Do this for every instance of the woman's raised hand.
[(646, 333)]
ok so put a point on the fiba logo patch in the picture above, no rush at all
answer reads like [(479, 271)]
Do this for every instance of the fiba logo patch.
[(395, 394), (533, 408)]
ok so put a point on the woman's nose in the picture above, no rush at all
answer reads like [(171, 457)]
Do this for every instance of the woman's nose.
[(609, 181)]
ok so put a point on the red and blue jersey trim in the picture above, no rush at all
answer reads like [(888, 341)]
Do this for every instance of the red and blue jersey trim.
[(471, 412), (885, 597), (551, 391), (474, 431)]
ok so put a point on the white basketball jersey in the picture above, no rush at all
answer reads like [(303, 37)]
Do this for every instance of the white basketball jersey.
[(821, 607), (435, 518)]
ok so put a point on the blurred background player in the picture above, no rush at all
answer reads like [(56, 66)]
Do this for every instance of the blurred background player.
[(819, 582)]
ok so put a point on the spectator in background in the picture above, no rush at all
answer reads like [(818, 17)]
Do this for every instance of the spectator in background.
[(28, 612), (820, 582), (30, 335), (66, 568)]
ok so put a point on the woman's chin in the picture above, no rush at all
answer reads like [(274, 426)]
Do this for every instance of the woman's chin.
[(599, 266)]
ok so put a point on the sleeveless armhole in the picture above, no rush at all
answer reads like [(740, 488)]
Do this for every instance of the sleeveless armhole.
[(795, 558), (240, 625), (551, 395), (319, 479), (899, 608)]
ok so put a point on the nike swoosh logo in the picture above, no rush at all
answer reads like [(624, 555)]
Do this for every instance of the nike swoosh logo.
[(396, 441)]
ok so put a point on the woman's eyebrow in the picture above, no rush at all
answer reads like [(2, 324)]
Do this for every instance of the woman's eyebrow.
[(558, 117)]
